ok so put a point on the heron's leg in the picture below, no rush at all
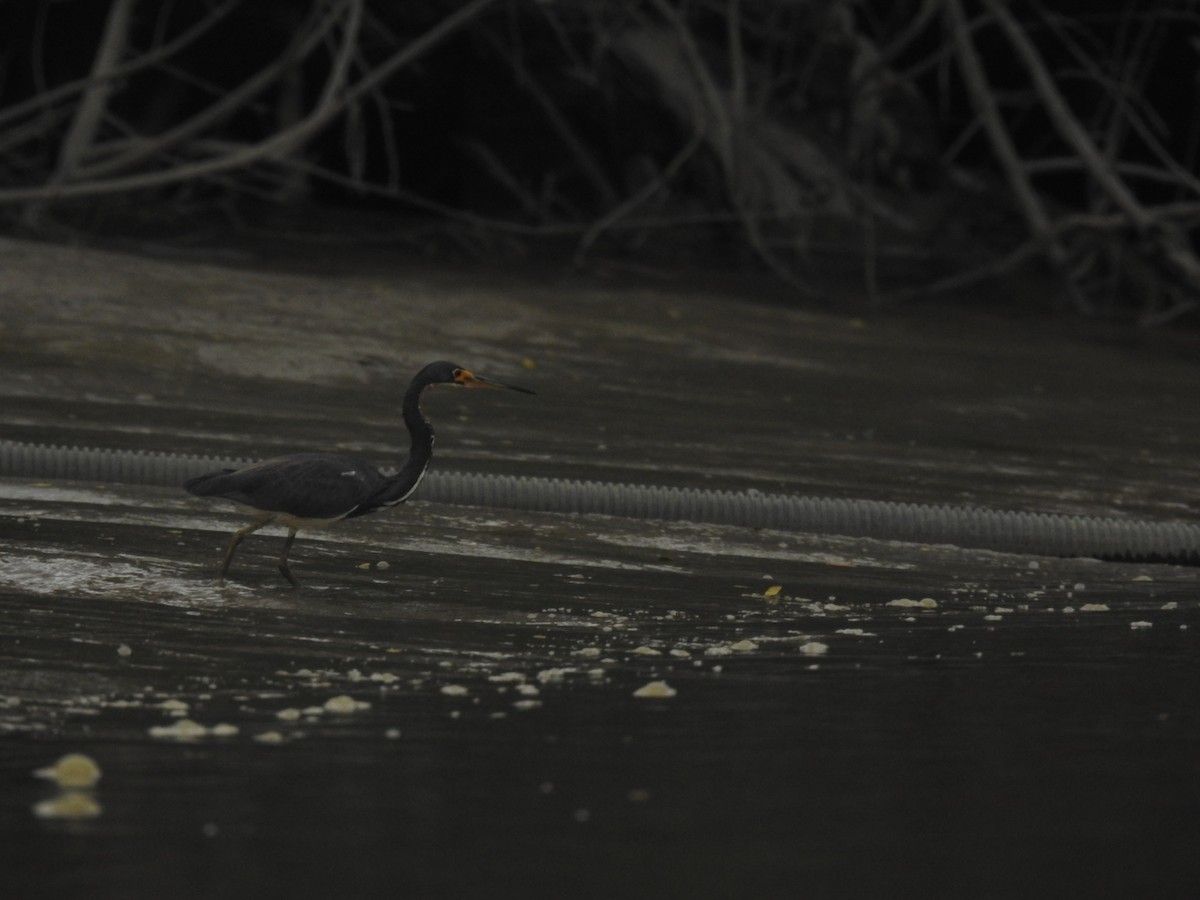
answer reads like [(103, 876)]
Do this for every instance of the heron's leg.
[(237, 539), (283, 558)]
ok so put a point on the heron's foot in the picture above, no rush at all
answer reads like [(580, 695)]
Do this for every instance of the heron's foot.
[(287, 573)]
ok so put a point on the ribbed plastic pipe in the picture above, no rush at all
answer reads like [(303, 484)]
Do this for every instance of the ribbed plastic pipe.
[(1011, 532)]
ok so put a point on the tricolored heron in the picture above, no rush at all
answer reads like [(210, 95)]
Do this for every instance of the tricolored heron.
[(310, 490)]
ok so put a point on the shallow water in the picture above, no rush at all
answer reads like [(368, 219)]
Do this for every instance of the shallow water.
[(843, 717)]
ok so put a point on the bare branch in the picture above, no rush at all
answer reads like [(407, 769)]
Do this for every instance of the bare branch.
[(1062, 117), (82, 133), (272, 147), (47, 97), (639, 197), (226, 106)]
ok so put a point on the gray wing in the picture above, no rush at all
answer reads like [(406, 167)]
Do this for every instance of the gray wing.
[(305, 485)]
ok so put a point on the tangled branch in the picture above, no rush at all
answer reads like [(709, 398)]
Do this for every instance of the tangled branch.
[(778, 129)]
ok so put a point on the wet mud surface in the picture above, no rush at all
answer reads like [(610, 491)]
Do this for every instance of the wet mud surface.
[(466, 702)]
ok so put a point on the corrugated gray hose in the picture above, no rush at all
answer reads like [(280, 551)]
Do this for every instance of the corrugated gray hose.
[(1011, 532)]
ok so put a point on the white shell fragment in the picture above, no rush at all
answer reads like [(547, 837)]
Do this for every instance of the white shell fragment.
[(75, 770), (343, 704), (187, 730), (68, 805), (907, 603), (507, 677), (655, 690)]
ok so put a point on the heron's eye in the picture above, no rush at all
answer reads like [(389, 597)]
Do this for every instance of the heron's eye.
[(458, 373)]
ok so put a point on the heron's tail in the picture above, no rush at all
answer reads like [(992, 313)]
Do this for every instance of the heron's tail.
[(208, 484)]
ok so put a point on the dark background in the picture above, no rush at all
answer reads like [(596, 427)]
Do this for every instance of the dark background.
[(794, 138)]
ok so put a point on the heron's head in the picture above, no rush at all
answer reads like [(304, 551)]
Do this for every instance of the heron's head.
[(451, 375)]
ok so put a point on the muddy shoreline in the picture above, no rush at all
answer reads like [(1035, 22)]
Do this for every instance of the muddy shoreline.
[(846, 715)]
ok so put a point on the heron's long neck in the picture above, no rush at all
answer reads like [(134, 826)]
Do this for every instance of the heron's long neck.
[(404, 482)]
